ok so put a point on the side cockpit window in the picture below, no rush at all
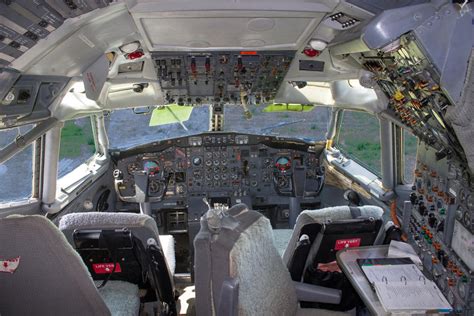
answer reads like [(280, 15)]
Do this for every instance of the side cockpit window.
[(16, 174), (358, 138), (409, 153), (77, 145)]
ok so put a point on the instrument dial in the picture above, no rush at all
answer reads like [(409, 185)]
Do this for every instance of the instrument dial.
[(151, 167), (154, 187), (132, 167), (180, 189), (283, 163)]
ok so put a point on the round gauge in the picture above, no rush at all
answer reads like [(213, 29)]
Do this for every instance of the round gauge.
[(132, 167), (154, 187), (283, 164), (466, 218), (459, 213), (180, 189), (151, 167), (282, 182)]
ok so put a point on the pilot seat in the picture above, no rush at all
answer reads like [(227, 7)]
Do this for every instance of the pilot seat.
[(125, 247)]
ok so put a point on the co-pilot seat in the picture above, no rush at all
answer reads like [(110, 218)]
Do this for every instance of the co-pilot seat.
[(126, 247), (319, 234), (238, 270)]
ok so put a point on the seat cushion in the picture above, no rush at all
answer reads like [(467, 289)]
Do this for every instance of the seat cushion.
[(121, 297)]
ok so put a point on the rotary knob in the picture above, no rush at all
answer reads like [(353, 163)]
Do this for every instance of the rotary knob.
[(197, 161)]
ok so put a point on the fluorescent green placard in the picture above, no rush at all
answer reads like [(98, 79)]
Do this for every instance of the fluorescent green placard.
[(170, 114), (288, 108)]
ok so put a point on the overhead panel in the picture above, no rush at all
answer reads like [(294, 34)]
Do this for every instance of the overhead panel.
[(221, 77)]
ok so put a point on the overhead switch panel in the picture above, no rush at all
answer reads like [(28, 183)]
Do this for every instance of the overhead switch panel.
[(221, 77)]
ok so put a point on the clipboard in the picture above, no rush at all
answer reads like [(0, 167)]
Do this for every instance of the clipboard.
[(401, 286), (389, 270)]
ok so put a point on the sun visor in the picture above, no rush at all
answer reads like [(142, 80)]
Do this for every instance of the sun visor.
[(95, 76)]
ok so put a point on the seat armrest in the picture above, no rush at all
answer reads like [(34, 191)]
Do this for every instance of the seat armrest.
[(316, 294), (228, 301)]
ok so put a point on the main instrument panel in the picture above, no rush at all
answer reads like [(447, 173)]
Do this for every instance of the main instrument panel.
[(440, 224), (225, 165)]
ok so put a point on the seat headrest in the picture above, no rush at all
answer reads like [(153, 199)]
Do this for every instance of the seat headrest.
[(51, 277), (218, 218), (343, 213)]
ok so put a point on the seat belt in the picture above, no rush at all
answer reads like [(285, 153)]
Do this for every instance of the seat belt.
[(355, 212), (109, 240)]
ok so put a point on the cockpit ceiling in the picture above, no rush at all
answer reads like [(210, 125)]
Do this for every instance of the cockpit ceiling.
[(229, 31)]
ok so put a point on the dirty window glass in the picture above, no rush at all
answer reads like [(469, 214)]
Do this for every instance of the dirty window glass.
[(359, 139), (16, 174), (409, 148), (77, 144)]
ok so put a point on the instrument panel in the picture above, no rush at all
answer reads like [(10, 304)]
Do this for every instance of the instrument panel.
[(412, 85), (221, 77), (219, 165), (440, 226)]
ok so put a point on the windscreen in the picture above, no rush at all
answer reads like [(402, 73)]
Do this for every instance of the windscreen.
[(127, 129), (287, 120)]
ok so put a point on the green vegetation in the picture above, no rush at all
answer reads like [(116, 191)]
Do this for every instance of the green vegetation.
[(359, 137), (410, 143), (74, 137)]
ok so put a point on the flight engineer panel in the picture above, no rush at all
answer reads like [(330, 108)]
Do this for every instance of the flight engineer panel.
[(439, 222)]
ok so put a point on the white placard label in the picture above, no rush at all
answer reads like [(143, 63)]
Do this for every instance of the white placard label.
[(463, 244)]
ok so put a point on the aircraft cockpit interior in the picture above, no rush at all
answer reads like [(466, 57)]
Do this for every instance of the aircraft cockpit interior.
[(235, 157)]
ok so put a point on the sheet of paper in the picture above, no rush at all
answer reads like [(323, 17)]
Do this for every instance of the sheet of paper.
[(413, 296), (398, 249), (392, 273)]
